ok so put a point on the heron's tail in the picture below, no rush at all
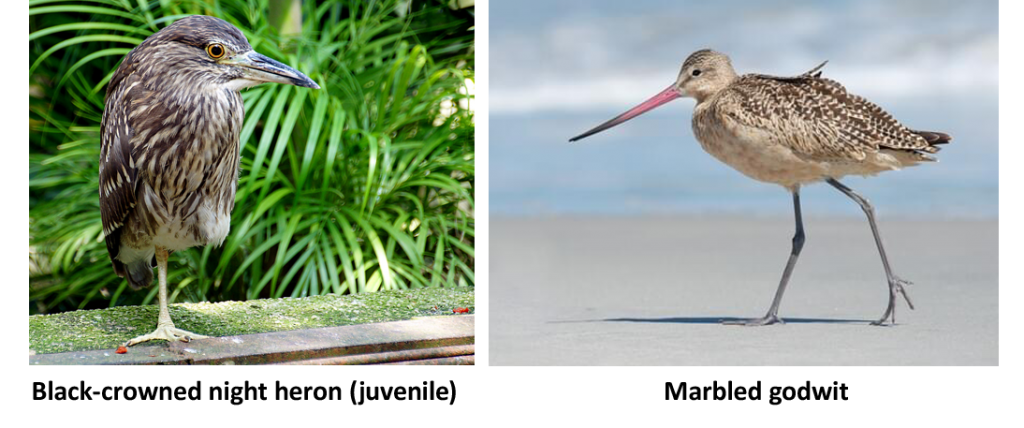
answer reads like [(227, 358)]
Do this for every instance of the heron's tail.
[(139, 273)]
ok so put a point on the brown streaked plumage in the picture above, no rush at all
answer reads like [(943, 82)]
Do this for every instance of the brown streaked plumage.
[(793, 131), (170, 147)]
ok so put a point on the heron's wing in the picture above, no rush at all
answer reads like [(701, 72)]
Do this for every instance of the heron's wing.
[(118, 173)]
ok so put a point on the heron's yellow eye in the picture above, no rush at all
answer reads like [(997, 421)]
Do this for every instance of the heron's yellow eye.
[(215, 50)]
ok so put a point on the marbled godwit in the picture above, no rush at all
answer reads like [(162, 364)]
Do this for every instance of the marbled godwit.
[(793, 131)]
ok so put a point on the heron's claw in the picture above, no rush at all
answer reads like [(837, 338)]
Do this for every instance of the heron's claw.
[(170, 334)]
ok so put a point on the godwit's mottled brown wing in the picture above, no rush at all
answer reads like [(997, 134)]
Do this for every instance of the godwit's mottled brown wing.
[(818, 119)]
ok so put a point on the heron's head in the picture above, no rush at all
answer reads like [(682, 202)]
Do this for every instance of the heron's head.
[(206, 53)]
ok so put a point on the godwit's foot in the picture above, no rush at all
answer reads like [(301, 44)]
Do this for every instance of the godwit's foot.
[(768, 319), (166, 332), (896, 287)]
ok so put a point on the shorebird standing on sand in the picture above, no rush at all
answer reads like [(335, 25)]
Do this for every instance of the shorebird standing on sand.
[(793, 131)]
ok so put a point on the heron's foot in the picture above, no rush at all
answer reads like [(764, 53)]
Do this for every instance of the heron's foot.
[(768, 319), (896, 287), (166, 332)]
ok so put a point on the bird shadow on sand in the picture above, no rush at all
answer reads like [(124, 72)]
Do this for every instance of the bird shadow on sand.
[(722, 319), (714, 320)]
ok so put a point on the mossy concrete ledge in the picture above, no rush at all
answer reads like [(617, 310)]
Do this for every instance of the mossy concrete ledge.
[(428, 340), (88, 335)]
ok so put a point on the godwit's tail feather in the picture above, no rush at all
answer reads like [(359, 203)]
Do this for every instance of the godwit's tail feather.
[(934, 138)]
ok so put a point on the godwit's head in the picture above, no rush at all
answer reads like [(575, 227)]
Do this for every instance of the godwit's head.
[(704, 73)]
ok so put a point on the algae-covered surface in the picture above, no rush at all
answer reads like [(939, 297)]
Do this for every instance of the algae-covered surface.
[(108, 328)]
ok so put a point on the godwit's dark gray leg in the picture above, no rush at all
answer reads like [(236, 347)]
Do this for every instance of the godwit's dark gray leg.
[(895, 283), (772, 316)]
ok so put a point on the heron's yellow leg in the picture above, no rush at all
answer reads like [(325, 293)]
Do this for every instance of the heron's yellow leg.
[(165, 329)]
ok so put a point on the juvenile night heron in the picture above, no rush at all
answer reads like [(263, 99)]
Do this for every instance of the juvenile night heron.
[(170, 147)]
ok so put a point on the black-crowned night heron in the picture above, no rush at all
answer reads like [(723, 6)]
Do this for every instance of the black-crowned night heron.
[(170, 147)]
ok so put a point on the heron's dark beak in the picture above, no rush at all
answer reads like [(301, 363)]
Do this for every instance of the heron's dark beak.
[(261, 68)]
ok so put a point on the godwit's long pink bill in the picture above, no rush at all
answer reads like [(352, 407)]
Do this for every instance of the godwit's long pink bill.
[(670, 93), (793, 131)]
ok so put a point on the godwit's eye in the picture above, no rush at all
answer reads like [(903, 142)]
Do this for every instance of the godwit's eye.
[(695, 73)]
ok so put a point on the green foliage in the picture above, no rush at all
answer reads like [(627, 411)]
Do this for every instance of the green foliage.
[(363, 185)]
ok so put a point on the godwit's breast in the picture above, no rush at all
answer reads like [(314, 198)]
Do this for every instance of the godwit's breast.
[(755, 152)]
